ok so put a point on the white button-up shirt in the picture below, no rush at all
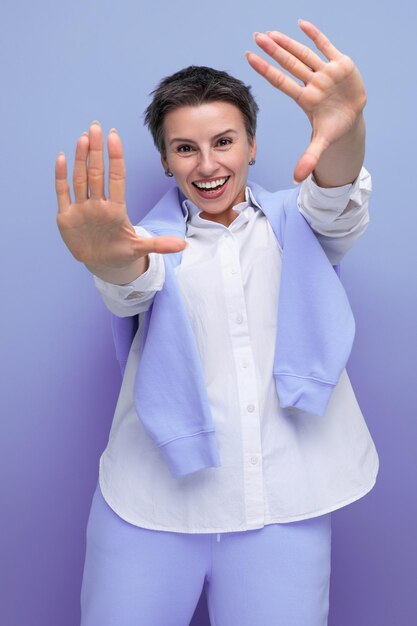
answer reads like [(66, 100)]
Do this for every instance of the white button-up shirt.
[(277, 465)]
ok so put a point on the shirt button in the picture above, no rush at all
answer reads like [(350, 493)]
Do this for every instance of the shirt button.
[(245, 363), (239, 318), (233, 270), (254, 460), (250, 408)]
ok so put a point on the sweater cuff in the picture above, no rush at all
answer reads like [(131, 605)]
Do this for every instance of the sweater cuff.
[(189, 454), (306, 394)]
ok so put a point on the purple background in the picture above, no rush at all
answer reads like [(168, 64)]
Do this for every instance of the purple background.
[(65, 64)]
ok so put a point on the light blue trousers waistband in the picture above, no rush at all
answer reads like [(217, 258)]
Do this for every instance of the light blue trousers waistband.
[(134, 576)]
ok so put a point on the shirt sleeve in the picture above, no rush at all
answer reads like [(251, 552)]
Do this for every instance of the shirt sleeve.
[(135, 297), (338, 215)]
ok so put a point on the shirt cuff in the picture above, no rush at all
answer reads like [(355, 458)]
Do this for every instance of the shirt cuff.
[(323, 205), (148, 282)]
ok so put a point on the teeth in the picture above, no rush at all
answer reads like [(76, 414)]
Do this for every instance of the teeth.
[(213, 183)]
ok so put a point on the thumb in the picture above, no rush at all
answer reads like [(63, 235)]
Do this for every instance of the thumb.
[(164, 244), (308, 161)]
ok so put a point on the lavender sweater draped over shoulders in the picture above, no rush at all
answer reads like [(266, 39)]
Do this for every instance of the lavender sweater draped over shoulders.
[(315, 332)]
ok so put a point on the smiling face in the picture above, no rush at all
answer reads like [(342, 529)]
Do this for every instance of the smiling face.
[(207, 147)]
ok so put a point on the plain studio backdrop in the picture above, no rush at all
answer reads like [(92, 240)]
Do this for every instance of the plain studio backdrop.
[(65, 64)]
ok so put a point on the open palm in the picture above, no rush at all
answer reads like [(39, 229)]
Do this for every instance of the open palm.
[(97, 230), (332, 93)]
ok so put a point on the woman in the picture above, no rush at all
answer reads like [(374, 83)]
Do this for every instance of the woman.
[(222, 466)]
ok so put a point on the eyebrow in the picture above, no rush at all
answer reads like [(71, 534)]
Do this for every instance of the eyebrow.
[(224, 132)]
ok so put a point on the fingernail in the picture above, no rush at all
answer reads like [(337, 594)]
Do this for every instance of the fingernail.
[(85, 133), (95, 122), (59, 154), (113, 130), (295, 181), (254, 35)]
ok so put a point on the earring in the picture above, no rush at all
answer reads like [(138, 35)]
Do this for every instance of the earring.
[(168, 173), (252, 161)]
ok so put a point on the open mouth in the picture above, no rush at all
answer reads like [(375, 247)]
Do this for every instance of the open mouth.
[(212, 187)]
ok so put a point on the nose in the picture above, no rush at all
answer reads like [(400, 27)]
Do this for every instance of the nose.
[(207, 164)]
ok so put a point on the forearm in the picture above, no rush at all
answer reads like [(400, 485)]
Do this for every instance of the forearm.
[(121, 275), (341, 163)]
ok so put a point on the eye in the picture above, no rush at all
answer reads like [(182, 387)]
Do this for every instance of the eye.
[(224, 141), (184, 148)]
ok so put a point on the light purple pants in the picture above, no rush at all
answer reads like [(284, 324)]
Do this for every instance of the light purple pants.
[(277, 575)]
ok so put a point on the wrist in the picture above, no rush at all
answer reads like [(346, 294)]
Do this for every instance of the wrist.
[(121, 275), (341, 163)]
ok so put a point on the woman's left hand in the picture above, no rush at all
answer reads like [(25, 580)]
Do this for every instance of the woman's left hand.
[(332, 94)]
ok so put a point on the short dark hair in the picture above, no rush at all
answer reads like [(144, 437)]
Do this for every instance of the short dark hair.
[(194, 85)]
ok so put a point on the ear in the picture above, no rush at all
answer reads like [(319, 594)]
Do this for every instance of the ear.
[(253, 148), (164, 163)]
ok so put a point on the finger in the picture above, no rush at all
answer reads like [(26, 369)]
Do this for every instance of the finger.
[(297, 49), (287, 60), (164, 245), (274, 76), (95, 170), (320, 40), (61, 183), (117, 172), (79, 175), (308, 161)]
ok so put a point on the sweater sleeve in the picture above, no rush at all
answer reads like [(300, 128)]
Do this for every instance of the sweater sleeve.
[(338, 215), (137, 296)]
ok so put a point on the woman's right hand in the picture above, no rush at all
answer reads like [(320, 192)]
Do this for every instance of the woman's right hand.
[(97, 230)]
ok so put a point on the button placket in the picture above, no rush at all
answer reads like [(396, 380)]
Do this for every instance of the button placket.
[(246, 380)]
